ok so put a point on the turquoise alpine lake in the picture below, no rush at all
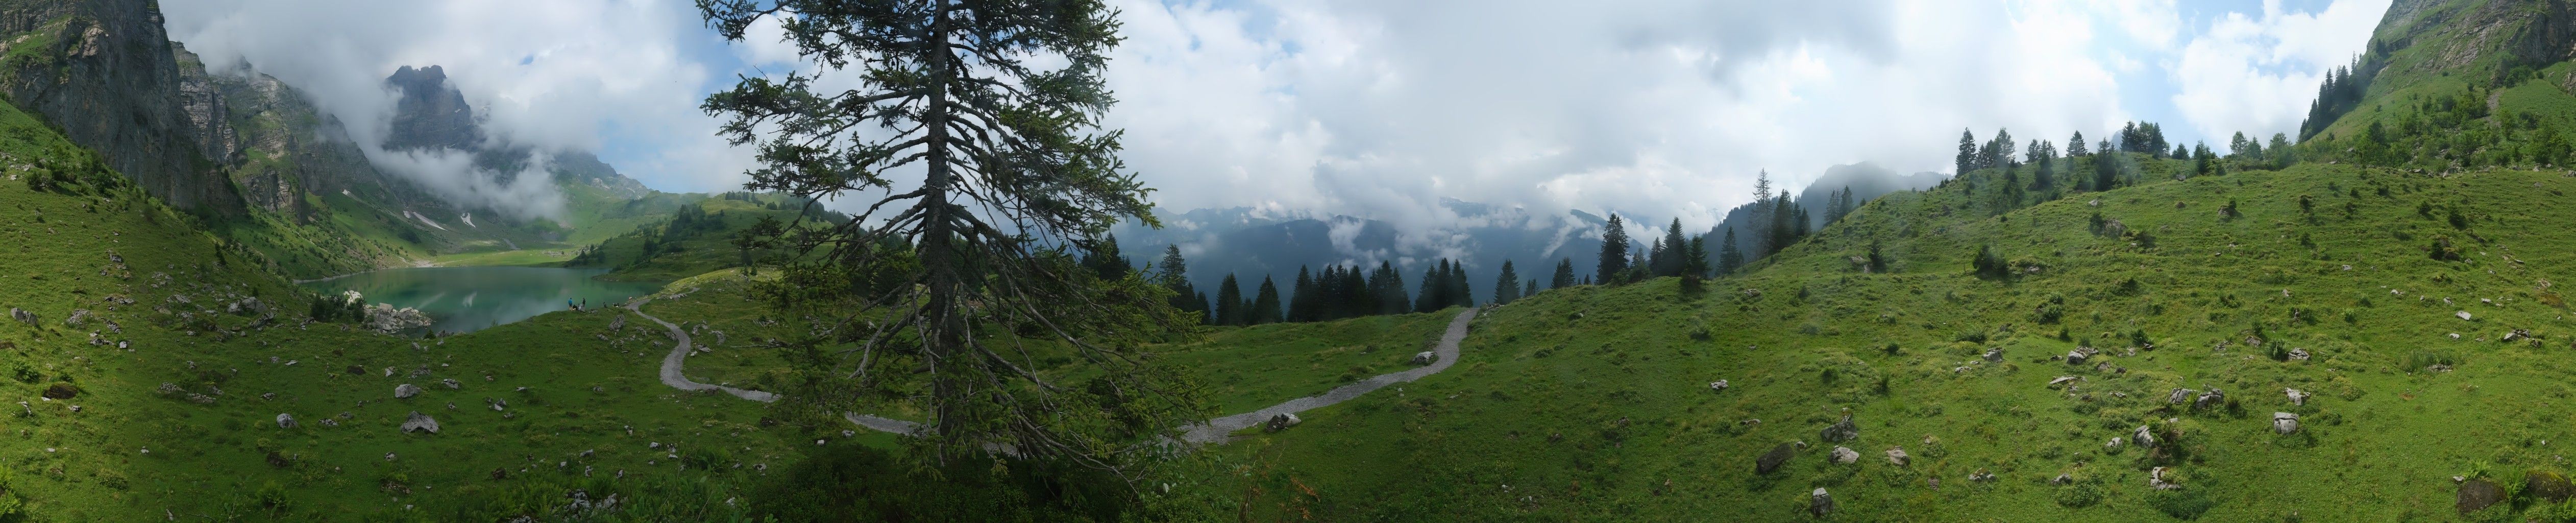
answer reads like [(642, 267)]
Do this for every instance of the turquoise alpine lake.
[(466, 299)]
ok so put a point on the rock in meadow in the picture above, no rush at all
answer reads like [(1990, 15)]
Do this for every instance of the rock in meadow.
[(2296, 397), (406, 391), (1281, 422), (2143, 438), (1841, 431), (2209, 399), (1896, 456), (2285, 423), (1845, 456), (2179, 396), (1820, 503), (1425, 358), (420, 422), (1718, 386), (2477, 494), (2548, 486), (1770, 461), (285, 421)]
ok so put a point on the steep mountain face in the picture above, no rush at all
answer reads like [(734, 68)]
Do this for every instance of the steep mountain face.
[(2454, 85), (103, 71), (431, 114)]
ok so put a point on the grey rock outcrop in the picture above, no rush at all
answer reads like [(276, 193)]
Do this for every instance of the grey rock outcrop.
[(285, 421), (2285, 423), (406, 391), (1425, 358), (1771, 461), (1845, 456), (1841, 431), (2143, 438), (419, 422), (2210, 399), (1896, 456), (1820, 503), (1276, 423), (2296, 396)]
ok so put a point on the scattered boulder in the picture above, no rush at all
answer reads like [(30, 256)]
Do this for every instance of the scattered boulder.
[(2113, 444), (2075, 357), (171, 389), (451, 383), (405, 391), (285, 421), (1845, 456), (2296, 397), (2285, 423), (2546, 485), (2143, 438), (2156, 478), (355, 370), (1897, 456), (1841, 431), (23, 316), (419, 422), (2462, 314), (1718, 386), (1981, 476), (61, 391), (1425, 358), (2062, 381), (2297, 354), (2209, 399), (1279, 422), (1820, 503), (2062, 479), (2478, 494), (1771, 461), (1995, 355), (497, 403)]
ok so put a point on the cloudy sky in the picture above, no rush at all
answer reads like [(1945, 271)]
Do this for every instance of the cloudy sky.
[(1376, 108)]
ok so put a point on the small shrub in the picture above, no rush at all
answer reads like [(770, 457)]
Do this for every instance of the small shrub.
[(2079, 494), (2184, 504)]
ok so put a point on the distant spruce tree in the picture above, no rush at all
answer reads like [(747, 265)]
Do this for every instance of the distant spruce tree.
[(1507, 286), (1435, 288), (1532, 289), (1729, 258), (1967, 160), (1174, 274), (1265, 306), (1695, 258), (2106, 172), (1387, 286), (1614, 251), (1103, 259), (1229, 302), (1564, 274), (1668, 262), (2281, 155), (2075, 145), (1302, 305)]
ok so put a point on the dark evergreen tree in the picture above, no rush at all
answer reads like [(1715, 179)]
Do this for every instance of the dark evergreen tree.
[(1435, 288), (1614, 251), (1304, 305), (1695, 258), (1967, 160), (1564, 274), (1103, 259), (1229, 303), (1265, 306), (1174, 275), (1532, 289), (1729, 258), (2280, 153), (2106, 172), (1387, 286), (1507, 286), (1667, 257), (2075, 145)]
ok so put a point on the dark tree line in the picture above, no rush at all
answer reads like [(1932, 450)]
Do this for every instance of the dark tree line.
[(2340, 93)]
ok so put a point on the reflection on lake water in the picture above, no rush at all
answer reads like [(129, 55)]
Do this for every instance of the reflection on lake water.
[(463, 299)]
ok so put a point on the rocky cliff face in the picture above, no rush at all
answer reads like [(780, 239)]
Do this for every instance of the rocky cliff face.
[(102, 70), (431, 114)]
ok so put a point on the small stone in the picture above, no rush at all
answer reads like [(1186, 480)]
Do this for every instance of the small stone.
[(451, 383), (2209, 399), (1718, 386), (2296, 397), (1820, 503), (2113, 444), (2076, 357), (2284, 422), (1995, 355), (2144, 438), (1425, 358), (1981, 476), (1280, 422), (1845, 456), (2156, 479), (2477, 494), (2062, 381), (285, 421), (2297, 354), (406, 391), (1841, 431), (1896, 456), (2462, 314)]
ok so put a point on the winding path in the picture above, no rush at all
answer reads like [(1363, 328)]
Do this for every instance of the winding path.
[(679, 357), (1213, 431)]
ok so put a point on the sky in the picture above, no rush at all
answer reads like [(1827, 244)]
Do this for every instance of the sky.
[(1661, 108)]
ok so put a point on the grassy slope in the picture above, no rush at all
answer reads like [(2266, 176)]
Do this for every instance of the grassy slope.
[(2381, 439), (702, 249), (212, 459)]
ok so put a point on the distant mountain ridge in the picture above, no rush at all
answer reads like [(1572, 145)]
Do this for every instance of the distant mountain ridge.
[(1251, 243)]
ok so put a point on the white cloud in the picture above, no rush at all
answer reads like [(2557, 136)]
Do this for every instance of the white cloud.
[(2257, 74)]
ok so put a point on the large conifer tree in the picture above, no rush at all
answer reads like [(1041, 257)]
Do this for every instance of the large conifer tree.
[(1265, 305), (1564, 276), (989, 113), (1507, 286)]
